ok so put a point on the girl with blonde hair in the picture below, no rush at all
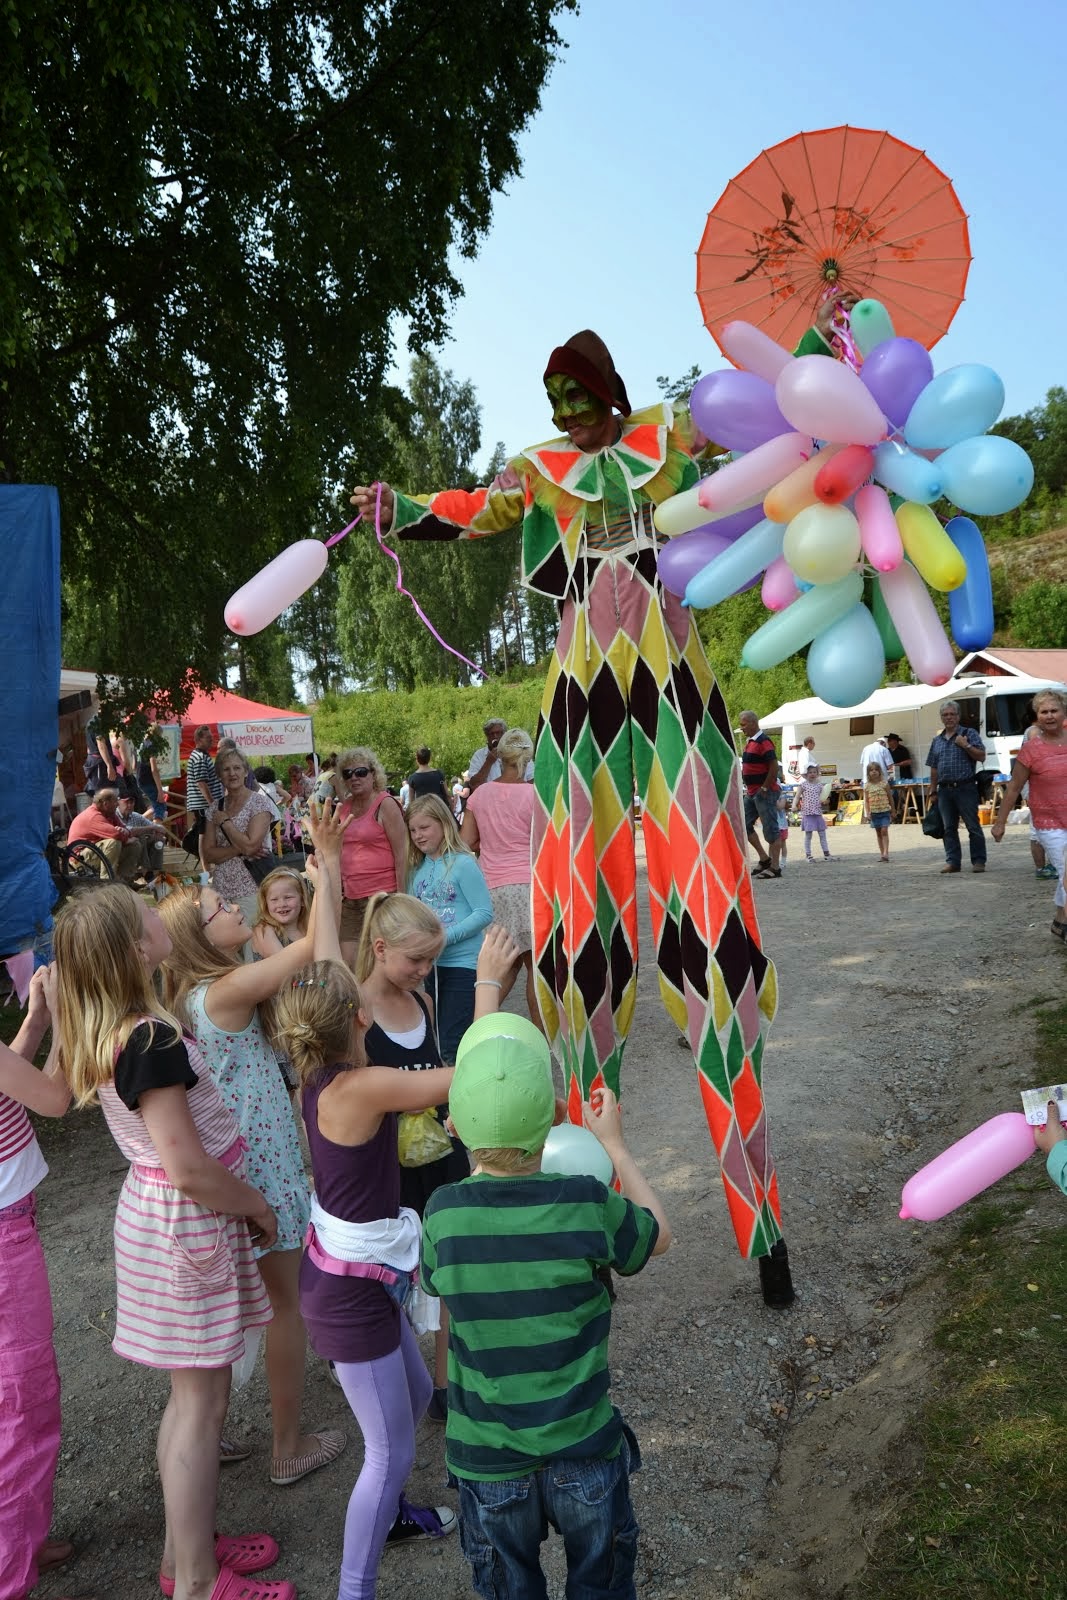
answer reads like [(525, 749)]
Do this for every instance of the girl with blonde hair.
[(283, 910), (444, 875), (187, 1285), (374, 854), (219, 996)]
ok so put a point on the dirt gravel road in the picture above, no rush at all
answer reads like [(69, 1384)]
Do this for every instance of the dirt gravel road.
[(767, 1436)]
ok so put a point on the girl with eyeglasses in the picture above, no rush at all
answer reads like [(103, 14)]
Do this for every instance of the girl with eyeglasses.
[(374, 851), (220, 999)]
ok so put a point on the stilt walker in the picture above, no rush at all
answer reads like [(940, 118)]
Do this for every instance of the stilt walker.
[(630, 706)]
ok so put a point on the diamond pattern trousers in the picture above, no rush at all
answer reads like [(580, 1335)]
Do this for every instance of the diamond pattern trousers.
[(631, 704)]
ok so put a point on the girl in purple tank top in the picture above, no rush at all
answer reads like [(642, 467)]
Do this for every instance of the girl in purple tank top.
[(363, 1245)]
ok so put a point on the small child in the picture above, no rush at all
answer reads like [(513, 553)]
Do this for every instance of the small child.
[(811, 817), (784, 804), (532, 1436), (283, 910), (878, 807)]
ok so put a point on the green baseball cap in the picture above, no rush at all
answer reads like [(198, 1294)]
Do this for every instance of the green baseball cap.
[(502, 1096)]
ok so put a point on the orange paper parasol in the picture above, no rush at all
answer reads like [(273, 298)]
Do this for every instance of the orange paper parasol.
[(845, 208)]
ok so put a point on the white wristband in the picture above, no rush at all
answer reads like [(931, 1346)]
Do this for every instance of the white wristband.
[(493, 983)]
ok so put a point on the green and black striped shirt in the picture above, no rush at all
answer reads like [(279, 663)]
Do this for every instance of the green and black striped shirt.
[(515, 1260)]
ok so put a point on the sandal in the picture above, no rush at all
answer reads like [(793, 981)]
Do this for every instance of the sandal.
[(331, 1441), (230, 1453), (1060, 931), (230, 1585), (240, 1552)]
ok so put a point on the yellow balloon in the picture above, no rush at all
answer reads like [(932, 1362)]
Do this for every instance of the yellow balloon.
[(822, 543), (929, 548), (797, 489)]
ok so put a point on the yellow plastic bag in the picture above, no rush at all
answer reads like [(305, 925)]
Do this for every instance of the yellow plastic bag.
[(420, 1138)]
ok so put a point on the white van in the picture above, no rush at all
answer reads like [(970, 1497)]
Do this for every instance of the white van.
[(997, 707)]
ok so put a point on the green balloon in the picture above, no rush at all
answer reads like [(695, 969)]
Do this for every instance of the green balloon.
[(790, 630), (870, 325), (894, 650)]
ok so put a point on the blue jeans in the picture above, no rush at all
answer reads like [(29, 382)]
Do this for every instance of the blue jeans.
[(764, 805), (503, 1525), (958, 805)]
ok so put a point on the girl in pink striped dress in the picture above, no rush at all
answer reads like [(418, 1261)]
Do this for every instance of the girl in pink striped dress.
[(188, 1286)]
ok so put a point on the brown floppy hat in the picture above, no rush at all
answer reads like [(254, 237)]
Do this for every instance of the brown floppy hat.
[(586, 358)]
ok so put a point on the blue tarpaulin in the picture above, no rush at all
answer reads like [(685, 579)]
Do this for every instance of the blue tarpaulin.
[(29, 703)]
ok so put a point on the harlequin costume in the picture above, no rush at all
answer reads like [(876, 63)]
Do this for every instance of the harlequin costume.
[(631, 704)]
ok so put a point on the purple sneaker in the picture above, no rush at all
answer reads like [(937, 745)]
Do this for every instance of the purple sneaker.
[(416, 1522)]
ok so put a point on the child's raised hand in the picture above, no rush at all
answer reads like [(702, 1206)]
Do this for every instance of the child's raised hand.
[(498, 954), (40, 1000), (1052, 1132), (326, 827), (602, 1117)]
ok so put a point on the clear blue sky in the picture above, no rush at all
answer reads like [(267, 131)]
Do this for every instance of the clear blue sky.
[(656, 104)]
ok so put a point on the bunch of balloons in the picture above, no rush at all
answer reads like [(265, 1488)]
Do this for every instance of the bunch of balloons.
[(832, 479)]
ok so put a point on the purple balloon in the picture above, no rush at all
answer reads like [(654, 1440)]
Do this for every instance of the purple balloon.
[(896, 373), (683, 557), (733, 526), (736, 409)]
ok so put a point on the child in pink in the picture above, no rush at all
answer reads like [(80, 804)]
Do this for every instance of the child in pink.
[(809, 798)]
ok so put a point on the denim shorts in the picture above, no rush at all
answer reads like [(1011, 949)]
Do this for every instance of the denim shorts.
[(880, 819), (763, 804), (503, 1525)]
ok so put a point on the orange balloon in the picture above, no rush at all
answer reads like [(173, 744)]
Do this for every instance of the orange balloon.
[(797, 490)]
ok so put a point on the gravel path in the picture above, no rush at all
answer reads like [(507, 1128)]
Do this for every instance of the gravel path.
[(767, 1437)]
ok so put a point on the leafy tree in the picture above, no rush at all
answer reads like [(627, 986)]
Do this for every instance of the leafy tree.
[(209, 218), (460, 585), (679, 388), (1039, 616)]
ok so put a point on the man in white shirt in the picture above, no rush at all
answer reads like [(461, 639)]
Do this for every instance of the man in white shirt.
[(876, 755)]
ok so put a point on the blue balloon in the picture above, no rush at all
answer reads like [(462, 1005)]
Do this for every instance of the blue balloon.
[(970, 607), (846, 661), (902, 472), (737, 566), (957, 404), (986, 476)]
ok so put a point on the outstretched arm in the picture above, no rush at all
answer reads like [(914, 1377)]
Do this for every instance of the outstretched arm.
[(448, 513)]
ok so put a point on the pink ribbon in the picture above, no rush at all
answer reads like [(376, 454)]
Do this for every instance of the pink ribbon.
[(841, 338), (400, 589)]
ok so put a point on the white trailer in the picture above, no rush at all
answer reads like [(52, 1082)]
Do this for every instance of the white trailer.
[(997, 707)]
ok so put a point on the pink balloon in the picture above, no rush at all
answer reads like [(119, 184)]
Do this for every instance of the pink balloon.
[(918, 625), (980, 1158), (779, 585), (753, 473), (683, 557), (283, 580), (879, 534), (757, 352), (828, 400)]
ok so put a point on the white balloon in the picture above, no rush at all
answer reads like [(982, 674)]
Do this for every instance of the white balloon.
[(576, 1151)]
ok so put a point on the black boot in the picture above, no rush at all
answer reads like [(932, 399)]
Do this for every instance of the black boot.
[(775, 1280)]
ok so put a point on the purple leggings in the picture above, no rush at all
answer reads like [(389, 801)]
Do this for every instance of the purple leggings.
[(388, 1397)]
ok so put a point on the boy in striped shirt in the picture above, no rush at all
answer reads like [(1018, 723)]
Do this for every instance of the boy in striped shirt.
[(532, 1436)]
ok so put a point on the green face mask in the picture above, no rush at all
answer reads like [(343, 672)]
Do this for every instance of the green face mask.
[(572, 403)]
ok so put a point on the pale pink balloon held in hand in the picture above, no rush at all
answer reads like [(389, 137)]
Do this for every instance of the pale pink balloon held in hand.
[(980, 1158)]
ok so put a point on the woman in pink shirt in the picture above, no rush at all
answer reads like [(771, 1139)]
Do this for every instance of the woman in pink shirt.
[(374, 849), (497, 826), (1043, 761)]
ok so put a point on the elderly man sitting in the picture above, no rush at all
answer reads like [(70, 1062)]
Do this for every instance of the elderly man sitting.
[(146, 832), (99, 824)]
